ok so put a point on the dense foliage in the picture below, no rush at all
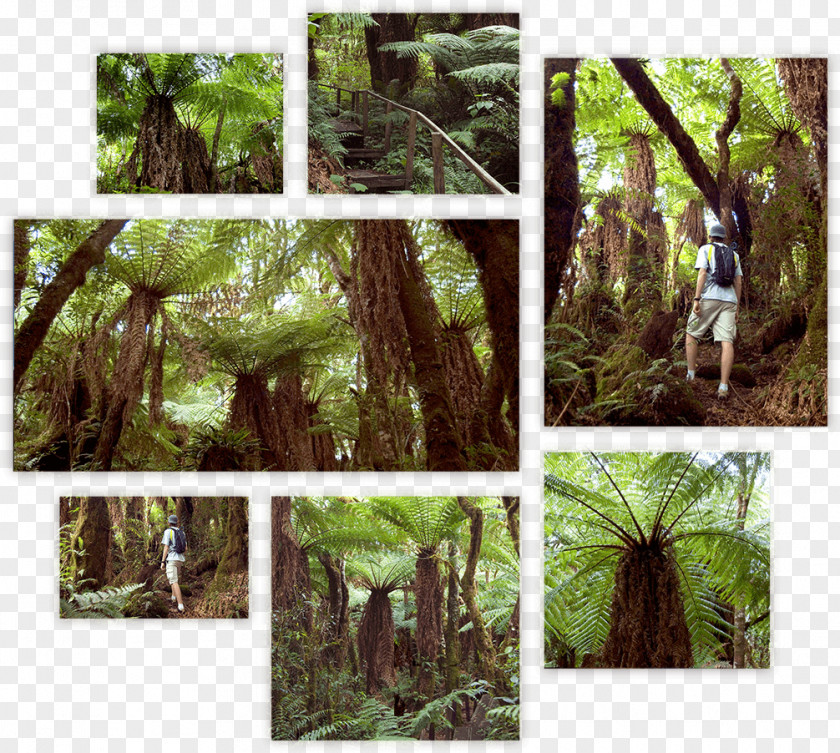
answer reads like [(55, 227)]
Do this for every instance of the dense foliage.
[(641, 156), (395, 618), (110, 553), (266, 345), (189, 123), (657, 560), (459, 70)]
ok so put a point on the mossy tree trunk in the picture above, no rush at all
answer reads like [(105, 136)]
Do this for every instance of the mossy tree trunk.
[(485, 648), (235, 555), (562, 189), (72, 274), (93, 538)]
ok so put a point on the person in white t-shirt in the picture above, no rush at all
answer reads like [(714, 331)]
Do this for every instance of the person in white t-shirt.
[(172, 560), (714, 306)]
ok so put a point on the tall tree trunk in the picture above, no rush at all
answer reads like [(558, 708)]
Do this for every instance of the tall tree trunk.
[(453, 643), (733, 115), (93, 538), (739, 642), (444, 446), (386, 66), (376, 642), (290, 579), (494, 246), (485, 648), (184, 511), (562, 189), (72, 274), (428, 592), (235, 555), (23, 245), (126, 386), (335, 652)]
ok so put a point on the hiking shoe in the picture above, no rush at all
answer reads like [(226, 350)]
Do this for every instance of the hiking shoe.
[(180, 607), (689, 377), (173, 599), (723, 394)]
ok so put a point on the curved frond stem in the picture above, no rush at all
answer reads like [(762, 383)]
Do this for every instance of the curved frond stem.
[(698, 497), (657, 521), (623, 498)]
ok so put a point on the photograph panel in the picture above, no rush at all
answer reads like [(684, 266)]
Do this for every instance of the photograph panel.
[(266, 345), (686, 242), (395, 618), (414, 103), (657, 560), (153, 557), (189, 123)]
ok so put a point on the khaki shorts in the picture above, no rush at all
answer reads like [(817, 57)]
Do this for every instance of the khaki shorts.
[(719, 315), (173, 570)]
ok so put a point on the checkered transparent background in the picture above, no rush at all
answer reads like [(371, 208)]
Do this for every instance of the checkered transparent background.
[(204, 685)]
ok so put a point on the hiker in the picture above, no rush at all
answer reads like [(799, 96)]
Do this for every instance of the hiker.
[(715, 304), (174, 545)]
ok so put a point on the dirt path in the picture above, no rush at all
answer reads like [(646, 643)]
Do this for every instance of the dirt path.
[(197, 586), (745, 405)]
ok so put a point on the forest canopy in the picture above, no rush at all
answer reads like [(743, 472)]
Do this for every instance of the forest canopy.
[(189, 123), (414, 103), (110, 553), (266, 345), (642, 156), (395, 618), (657, 560)]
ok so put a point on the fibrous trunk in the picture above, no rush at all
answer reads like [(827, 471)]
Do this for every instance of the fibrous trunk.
[(376, 642), (293, 422), (92, 541), (198, 168), (428, 591), (387, 66), (252, 409), (161, 143), (235, 555), (648, 627), (126, 387)]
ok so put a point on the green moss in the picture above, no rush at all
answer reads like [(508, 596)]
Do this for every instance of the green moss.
[(634, 391)]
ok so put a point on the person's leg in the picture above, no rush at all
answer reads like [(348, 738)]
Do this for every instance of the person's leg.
[(727, 358), (691, 353), (176, 589)]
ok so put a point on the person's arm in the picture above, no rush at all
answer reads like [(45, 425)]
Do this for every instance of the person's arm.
[(701, 283), (165, 554), (739, 280)]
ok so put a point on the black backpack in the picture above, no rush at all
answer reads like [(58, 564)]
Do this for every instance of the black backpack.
[(179, 541), (725, 264)]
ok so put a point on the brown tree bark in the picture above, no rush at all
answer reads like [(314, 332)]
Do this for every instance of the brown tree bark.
[(93, 537), (386, 66), (72, 274), (290, 579), (235, 555), (126, 386), (444, 445), (428, 592), (562, 190), (733, 115), (494, 245), (335, 652)]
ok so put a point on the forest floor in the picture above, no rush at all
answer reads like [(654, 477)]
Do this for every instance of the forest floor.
[(192, 603), (745, 405)]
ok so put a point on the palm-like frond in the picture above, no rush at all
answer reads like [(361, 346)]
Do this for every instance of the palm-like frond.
[(427, 521)]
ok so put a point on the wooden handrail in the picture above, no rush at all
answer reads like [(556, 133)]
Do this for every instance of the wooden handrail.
[(436, 131)]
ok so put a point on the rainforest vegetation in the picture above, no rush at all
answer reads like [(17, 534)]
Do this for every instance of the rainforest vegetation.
[(657, 560), (266, 345), (641, 157), (395, 617), (188, 123), (110, 550), (461, 71)]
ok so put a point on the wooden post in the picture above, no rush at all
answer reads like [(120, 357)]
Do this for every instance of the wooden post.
[(388, 108), (437, 162), (409, 151), (364, 114)]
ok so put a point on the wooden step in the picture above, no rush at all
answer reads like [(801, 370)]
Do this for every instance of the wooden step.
[(345, 126), (366, 154), (375, 181)]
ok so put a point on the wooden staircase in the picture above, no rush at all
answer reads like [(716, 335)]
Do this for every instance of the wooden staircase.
[(353, 134)]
